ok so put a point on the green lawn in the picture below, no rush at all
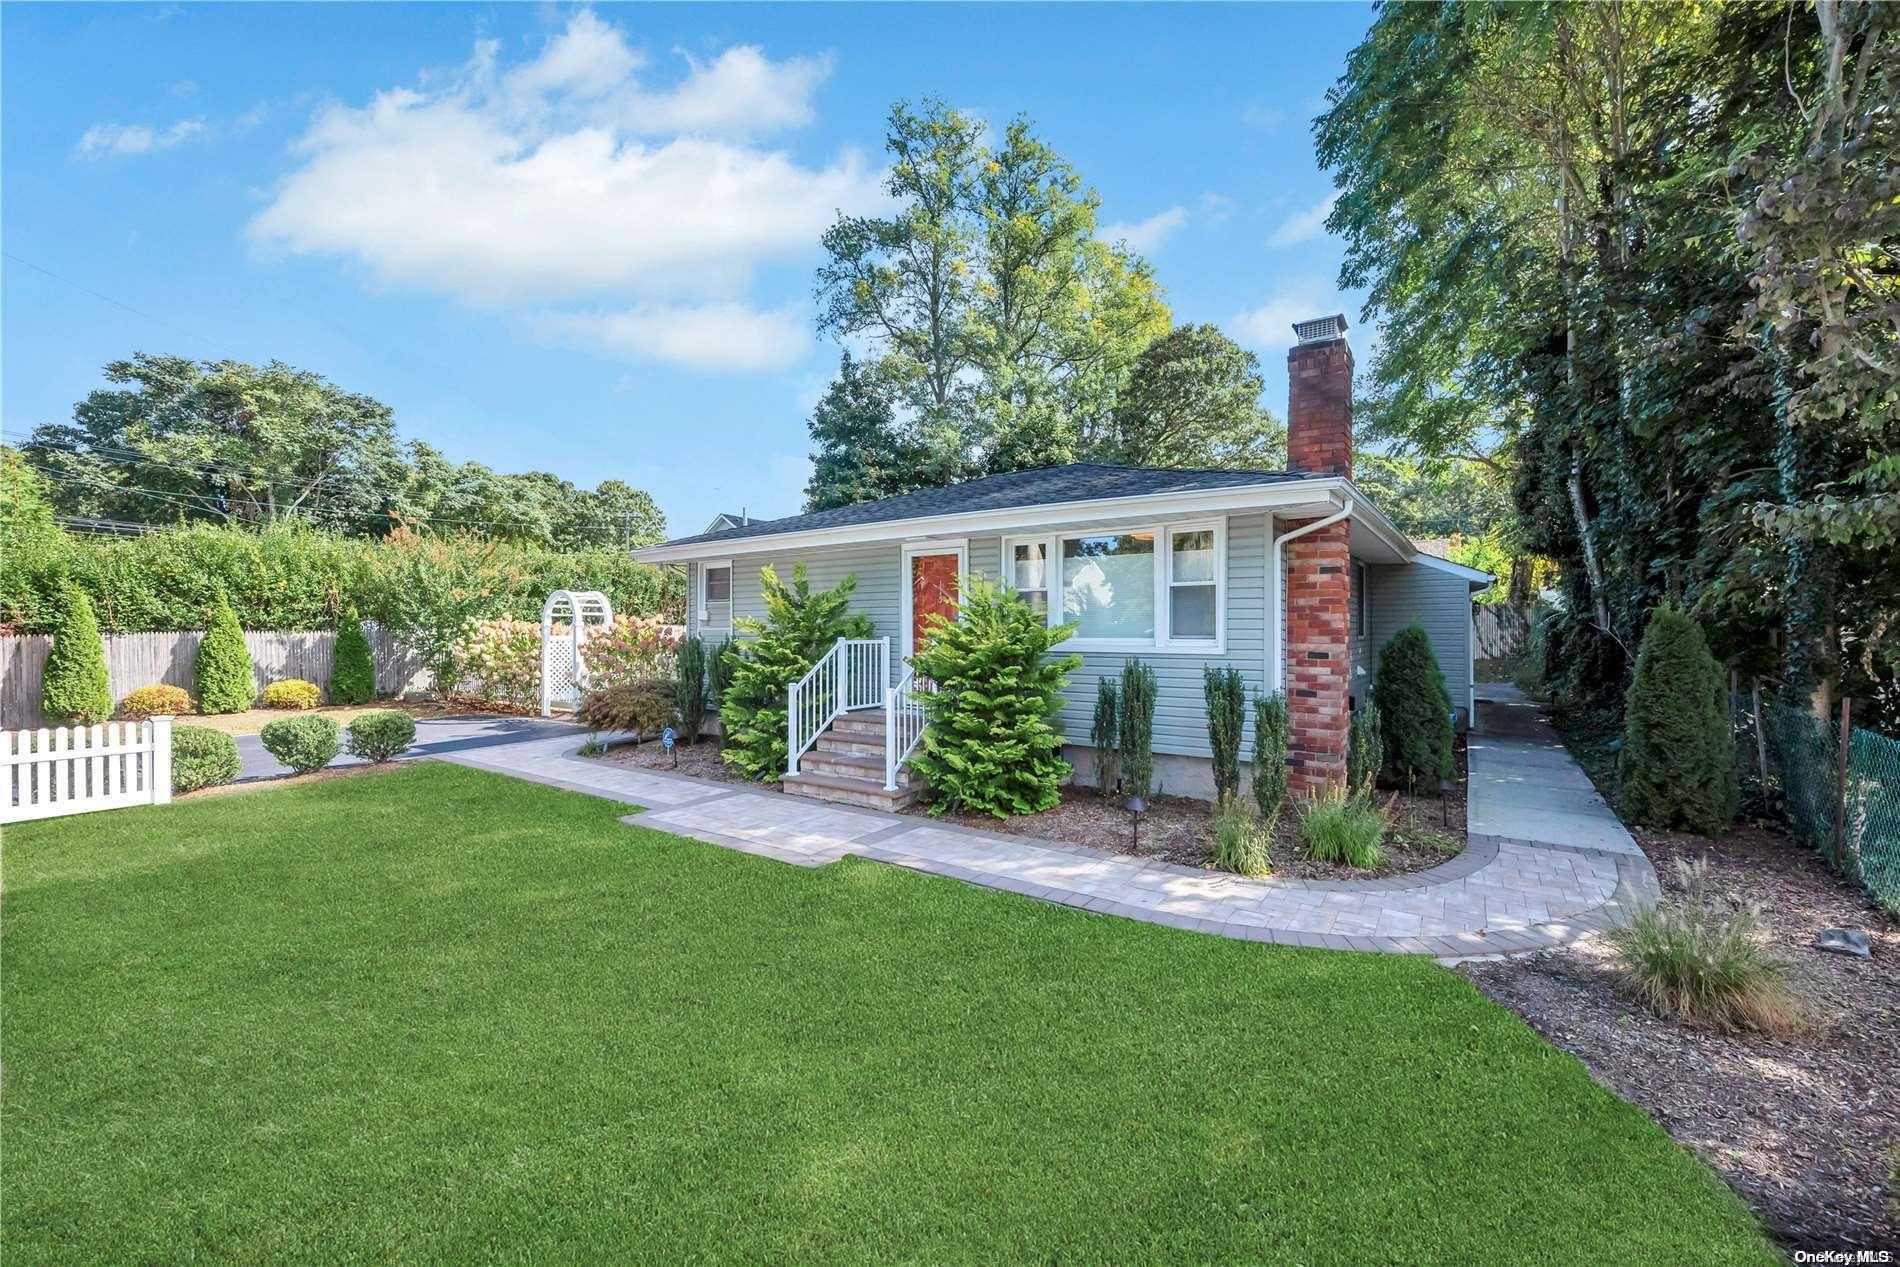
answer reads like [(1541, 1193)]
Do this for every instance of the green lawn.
[(439, 1014)]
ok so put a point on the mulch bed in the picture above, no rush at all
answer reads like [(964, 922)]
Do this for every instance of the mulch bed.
[(1806, 1130), (1180, 829), (701, 760)]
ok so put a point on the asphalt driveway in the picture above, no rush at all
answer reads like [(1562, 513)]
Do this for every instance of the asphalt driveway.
[(435, 736)]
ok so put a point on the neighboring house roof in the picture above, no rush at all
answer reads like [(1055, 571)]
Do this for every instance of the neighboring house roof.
[(726, 519), (1049, 495), (1437, 547)]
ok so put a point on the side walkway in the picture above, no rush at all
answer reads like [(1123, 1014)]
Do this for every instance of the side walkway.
[(1499, 896)]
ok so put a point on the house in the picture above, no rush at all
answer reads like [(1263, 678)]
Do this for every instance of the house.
[(1293, 577)]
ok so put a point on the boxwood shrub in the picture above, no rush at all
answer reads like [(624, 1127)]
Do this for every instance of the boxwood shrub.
[(303, 743), (203, 757), (381, 735)]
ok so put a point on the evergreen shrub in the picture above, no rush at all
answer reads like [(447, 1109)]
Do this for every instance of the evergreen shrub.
[(223, 666), (1677, 768), (1414, 711), (990, 742), (75, 687)]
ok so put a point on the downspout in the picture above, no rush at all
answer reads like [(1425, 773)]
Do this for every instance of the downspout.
[(1276, 662)]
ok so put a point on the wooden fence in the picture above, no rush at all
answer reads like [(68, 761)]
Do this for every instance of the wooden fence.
[(146, 659), (1500, 630)]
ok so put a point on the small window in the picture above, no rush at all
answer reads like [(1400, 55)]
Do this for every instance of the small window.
[(1029, 573), (1193, 597), (715, 586), (1361, 607), (718, 585)]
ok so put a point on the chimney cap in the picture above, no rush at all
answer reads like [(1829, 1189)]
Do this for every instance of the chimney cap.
[(1321, 329)]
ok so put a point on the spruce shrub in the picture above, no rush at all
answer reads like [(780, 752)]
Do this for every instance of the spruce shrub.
[(223, 666), (799, 627), (75, 687), (1414, 711), (1677, 767), (303, 743), (1104, 735), (382, 734), (353, 669), (161, 700), (1226, 696), (1137, 725), (292, 693), (203, 757), (1270, 740), (690, 702), (990, 742)]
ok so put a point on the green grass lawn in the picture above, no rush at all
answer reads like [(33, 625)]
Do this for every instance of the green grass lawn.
[(440, 1014)]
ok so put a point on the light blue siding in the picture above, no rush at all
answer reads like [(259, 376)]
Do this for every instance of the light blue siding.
[(1180, 702), (875, 567), (1439, 600)]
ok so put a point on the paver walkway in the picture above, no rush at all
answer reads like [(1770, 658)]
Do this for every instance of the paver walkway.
[(1499, 896)]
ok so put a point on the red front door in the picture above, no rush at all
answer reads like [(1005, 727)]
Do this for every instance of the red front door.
[(933, 590)]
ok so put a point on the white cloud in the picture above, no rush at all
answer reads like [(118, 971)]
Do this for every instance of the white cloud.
[(710, 336), (1305, 225), (1265, 117), (1146, 235), (122, 140), (568, 179), (1214, 208), (1269, 326)]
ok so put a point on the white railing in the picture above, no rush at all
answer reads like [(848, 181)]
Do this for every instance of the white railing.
[(48, 772), (903, 723), (853, 674)]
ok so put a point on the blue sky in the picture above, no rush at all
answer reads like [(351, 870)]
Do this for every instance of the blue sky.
[(582, 240)]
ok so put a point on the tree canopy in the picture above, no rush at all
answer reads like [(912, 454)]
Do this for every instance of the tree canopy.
[(176, 440), (1641, 255)]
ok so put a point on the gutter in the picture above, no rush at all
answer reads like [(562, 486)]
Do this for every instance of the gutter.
[(1276, 661)]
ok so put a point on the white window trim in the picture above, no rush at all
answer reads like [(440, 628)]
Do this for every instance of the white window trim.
[(1364, 603), (1162, 643), (959, 547), (705, 566)]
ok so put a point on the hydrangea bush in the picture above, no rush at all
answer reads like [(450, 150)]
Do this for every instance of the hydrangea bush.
[(629, 650), (498, 663)]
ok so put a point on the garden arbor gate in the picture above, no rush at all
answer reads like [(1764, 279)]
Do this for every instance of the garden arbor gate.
[(563, 670)]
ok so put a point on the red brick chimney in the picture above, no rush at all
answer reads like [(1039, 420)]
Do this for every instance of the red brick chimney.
[(1318, 677), (1319, 398)]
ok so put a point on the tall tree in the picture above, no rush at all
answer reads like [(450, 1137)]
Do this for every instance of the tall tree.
[(861, 453), (1193, 400), (998, 324)]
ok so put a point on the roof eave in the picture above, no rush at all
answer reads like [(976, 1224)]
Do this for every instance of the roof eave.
[(1268, 495)]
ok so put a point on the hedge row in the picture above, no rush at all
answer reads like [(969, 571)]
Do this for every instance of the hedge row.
[(294, 577)]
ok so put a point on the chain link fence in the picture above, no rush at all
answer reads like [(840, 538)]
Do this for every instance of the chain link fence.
[(1849, 810)]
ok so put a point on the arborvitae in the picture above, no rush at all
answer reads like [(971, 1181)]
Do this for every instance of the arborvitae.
[(353, 674), (1678, 763), (1104, 734), (1138, 727), (75, 686), (225, 682), (1226, 696), (1414, 711), (1270, 739)]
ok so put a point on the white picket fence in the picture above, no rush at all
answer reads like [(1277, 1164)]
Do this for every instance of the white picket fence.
[(52, 771)]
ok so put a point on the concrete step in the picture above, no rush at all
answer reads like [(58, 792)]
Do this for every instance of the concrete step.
[(850, 765), (867, 793)]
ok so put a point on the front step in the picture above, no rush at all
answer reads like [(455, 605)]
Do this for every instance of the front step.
[(841, 790), (846, 766)]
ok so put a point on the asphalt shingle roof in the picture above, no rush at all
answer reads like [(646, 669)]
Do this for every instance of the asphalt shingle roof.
[(1044, 486)]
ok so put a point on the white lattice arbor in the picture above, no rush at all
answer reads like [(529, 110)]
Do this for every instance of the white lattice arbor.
[(563, 663)]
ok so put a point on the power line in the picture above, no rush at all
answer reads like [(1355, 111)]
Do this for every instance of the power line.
[(137, 312)]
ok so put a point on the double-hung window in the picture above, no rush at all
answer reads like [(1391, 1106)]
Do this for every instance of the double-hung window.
[(715, 593), (1148, 588)]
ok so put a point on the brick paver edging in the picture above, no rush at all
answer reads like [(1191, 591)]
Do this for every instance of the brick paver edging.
[(1499, 896)]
